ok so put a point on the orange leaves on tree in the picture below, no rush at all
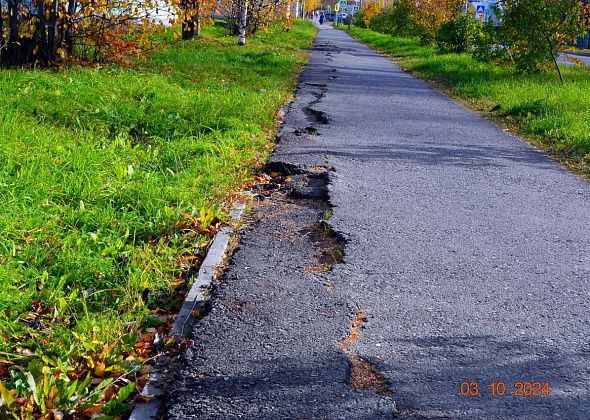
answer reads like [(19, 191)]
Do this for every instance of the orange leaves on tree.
[(369, 10), (311, 5), (430, 15)]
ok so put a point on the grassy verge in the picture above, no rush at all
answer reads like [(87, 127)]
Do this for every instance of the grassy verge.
[(554, 117), (111, 183)]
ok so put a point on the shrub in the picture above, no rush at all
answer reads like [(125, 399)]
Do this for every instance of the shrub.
[(489, 44), (460, 34), (359, 19), (396, 21)]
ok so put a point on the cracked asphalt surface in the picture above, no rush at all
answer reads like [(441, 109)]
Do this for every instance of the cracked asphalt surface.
[(467, 250)]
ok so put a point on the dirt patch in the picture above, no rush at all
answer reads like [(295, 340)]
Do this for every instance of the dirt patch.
[(236, 306), (318, 268), (356, 326), (331, 245), (320, 169), (364, 376)]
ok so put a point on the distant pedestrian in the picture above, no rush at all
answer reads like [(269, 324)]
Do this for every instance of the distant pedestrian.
[(321, 19)]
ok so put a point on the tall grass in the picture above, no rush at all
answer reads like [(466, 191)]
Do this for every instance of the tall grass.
[(553, 116), (103, 172)]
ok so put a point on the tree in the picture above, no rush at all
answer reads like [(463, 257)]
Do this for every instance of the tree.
[(368, 11), (311, 5), (43, 32), (243, 22), (50, 31), (246, 17), (396, 20), (430, 15), (460, 34), (537, 30)]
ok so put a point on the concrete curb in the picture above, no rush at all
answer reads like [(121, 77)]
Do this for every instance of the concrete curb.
[(197, 296)]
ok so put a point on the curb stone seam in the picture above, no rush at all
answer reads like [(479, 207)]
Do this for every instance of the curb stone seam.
[(197, 295)]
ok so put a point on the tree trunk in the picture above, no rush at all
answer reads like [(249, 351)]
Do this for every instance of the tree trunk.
[(243, 23), (188, 29), (198, 19), (551, 51), (52, 31), (288, 16), (1, 33), (188, 21), (69, 31), (12, 31), (42, 30)]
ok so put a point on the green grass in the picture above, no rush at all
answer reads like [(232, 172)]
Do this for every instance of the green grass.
[(97, 167), (553, 116)]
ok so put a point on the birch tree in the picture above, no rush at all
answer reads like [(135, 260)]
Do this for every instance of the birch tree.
[(243, 22)]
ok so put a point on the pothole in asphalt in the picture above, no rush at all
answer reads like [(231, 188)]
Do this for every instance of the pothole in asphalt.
[(281, 168), (316, 116), (292, 187), (364, 376), (307, 130), (325, 47), (331, 245)]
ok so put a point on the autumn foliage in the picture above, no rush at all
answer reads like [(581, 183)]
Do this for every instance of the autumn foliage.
[(311, 5), (368, 11), (194, 14), (410, 18), (529, 34), (261, 14), (47, 31), (430, 15), (51, 31)]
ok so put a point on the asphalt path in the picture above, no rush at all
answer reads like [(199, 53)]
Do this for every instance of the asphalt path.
[(467, 250), (563, 59)]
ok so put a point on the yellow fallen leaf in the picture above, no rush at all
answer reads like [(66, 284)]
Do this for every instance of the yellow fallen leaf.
[(99, 369)]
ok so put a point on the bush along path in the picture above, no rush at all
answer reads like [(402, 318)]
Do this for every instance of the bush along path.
[(552, 116), (113, 180), (406, 255)]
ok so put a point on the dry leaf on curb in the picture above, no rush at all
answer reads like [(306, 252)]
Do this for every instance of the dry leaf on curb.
[(143, 398)]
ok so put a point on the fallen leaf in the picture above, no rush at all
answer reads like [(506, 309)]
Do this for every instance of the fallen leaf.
[(143, 398), (99, 369)]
